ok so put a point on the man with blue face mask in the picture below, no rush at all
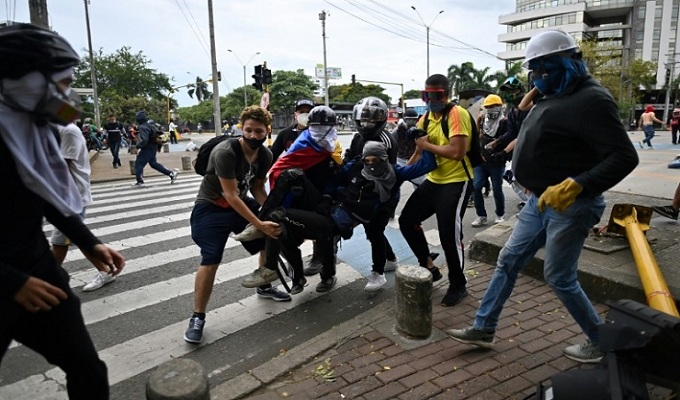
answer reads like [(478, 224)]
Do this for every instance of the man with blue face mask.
[(571, 148), (446, 190)]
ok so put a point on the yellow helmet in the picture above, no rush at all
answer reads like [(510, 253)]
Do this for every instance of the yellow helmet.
[(492, 100)]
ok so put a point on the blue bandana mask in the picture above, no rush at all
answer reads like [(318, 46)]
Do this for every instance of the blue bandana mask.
[(553, 74), (436, 107)]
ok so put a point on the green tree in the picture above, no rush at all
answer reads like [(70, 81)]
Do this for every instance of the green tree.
[(200, 89), (351, 93), (288, 87), (123, 78)]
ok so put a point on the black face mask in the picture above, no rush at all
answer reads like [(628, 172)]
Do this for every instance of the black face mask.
[(254, 144), (377, 169)]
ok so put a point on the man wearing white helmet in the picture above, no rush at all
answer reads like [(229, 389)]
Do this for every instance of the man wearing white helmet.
[(566, 163)]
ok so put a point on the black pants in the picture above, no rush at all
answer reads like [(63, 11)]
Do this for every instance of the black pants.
[(59, 335), (674, 134), (448, 202), (381, 250), (299, 225), (173, 137)]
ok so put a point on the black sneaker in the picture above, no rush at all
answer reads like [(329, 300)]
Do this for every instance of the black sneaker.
[(436, 273), (313, 268), (194, 334), (470, 335), (299, 286), (453, 297), (326, 284), (667, 211), (273, 294)]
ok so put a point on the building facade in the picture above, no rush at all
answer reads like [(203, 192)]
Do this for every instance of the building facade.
[(643, 29)]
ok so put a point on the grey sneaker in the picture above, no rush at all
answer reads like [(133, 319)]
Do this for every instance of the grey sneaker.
[(586, 352), (249, 233), (273, 294), (313, 268), (473, 336), (138, 185), (326, 284), (173, 176), (260, 277), (194, 334)]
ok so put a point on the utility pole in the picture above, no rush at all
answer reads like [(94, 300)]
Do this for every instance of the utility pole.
[(38, 11), (322, 17), (217, 113), (93, 71), (670, 76)]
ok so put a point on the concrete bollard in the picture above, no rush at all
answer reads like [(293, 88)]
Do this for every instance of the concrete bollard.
[(414, 301), (186, 163), (132, 167), (166, 148), (178, 379), (133, 149)]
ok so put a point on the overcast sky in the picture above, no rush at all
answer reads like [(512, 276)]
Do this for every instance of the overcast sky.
[(379, 40)]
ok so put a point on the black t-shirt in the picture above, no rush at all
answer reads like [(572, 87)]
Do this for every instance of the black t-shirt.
[(284, 139), (114, 131)]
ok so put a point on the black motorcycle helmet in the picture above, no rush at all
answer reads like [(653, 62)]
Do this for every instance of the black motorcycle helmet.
[(370, 116), (321, 115), (26, 48)]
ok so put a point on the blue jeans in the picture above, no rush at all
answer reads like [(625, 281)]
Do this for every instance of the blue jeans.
[(148, 156), (115, 149), (482, 173), (562, 235), (649, 134)]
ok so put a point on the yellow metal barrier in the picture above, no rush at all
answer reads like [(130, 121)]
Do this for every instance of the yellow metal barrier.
[(633, 221)]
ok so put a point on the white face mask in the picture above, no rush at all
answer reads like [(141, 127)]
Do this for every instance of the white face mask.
[(302, 119)]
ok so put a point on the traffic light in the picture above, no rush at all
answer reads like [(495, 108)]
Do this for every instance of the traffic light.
[(354, 80), (267, 76), (668, 76), (219, 76), (258, 77)]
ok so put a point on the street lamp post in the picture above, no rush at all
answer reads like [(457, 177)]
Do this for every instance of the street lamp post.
[(427, 32), (245, 98)]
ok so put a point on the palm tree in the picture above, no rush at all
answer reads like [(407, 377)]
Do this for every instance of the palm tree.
[(200, 88)]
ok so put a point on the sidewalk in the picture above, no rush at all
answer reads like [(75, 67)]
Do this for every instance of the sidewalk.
[(365, 358)]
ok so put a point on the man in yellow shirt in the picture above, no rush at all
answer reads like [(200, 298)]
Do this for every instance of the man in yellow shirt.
[(446, 189)]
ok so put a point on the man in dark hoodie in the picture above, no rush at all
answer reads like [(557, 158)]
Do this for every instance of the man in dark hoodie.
[(566, 164), (146, 143)]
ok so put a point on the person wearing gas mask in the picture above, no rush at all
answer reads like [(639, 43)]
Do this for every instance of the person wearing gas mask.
[(38, 307), (566, 164), (492, 125), (287, 135), (446, 190), (236, 167), (405, 144)]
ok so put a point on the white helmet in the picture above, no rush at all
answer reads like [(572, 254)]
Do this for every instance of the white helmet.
[(546, 43)]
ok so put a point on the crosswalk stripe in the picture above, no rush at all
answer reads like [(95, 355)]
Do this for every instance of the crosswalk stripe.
[(130, 358), (156, 184), (124, 206), (137, 241), (123, 198)]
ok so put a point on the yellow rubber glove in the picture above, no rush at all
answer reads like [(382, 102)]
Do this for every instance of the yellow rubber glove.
[(560, 196), (337, 153)]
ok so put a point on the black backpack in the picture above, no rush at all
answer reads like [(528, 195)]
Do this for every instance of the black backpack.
[(475, 152), (201, 161)]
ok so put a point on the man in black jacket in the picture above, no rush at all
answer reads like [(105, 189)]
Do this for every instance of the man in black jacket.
[(566, 163), (114, 131), (147, 151)]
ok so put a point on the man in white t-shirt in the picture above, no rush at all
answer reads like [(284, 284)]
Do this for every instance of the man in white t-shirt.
[(74, 150), (172, 129)]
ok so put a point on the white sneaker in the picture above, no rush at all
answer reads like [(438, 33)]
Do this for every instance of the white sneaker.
[(375, 282), (101, 279), (138, 185), (248, 234), (479, 221), (173, 176), (391, 265), (498, 220)]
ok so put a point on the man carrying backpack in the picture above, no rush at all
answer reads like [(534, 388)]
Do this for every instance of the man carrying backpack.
[(147, 151), (446, 190)]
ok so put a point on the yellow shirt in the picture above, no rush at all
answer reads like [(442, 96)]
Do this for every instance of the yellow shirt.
[(448, 170)]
